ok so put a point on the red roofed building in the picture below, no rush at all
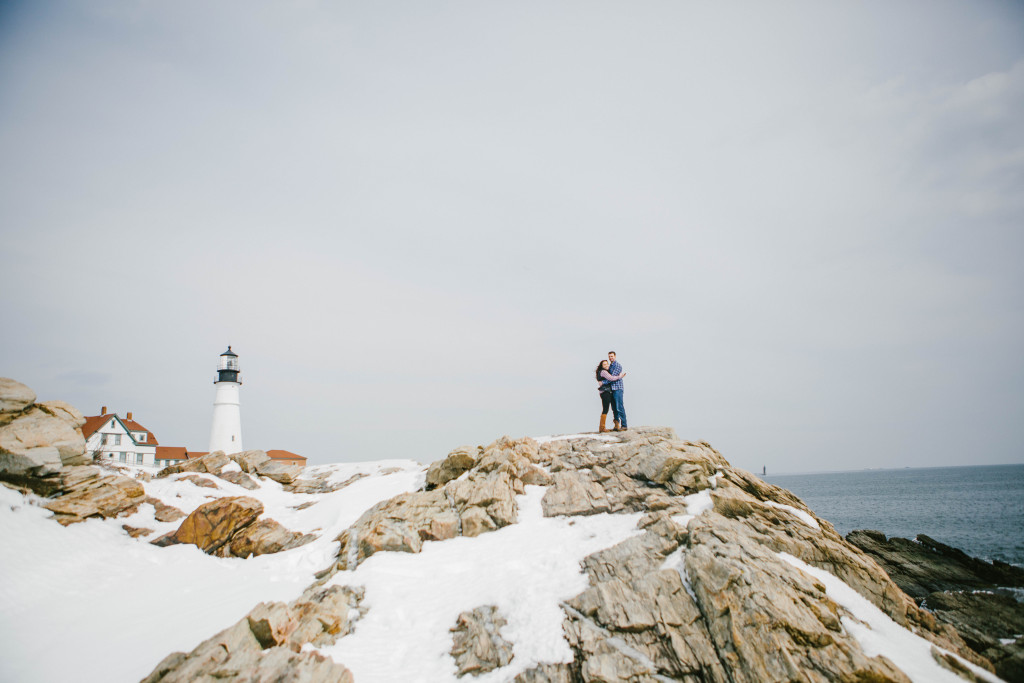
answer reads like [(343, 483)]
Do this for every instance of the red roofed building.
[(119, 439), (287, 457), (171, 455)]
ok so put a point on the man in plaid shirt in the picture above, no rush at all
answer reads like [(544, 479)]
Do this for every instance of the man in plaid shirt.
[(618, 411)]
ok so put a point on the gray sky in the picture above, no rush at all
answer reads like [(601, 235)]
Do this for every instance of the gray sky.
[(801, 225)]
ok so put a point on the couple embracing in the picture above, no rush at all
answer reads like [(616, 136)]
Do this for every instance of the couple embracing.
[(609, 383)]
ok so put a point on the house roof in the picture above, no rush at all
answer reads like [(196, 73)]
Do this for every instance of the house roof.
[(94, 422), (134, 426), (278, 454), (171, 453)]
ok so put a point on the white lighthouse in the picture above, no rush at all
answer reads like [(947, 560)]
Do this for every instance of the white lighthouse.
[(226, 433)]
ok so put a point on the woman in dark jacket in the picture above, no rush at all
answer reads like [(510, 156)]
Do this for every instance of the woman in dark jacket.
[(604, 382)]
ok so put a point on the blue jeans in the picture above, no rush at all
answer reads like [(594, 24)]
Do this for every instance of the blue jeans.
[(618, 411)]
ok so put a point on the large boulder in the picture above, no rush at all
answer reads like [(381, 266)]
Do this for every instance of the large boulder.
[(14, 398), (264, 537), (279, 472), (212, 525), (454, 464), (398, 524), (38, 461), (485, 502), (89, 492), (250, 461), (42, 438)]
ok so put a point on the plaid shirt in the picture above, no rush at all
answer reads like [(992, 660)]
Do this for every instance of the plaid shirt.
[(615, 370)]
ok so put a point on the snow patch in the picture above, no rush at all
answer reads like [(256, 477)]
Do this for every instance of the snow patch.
[(800, 514), (525, 569), (696, 504), (676, 561)]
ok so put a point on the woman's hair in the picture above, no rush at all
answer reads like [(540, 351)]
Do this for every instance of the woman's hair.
[(597, 372)]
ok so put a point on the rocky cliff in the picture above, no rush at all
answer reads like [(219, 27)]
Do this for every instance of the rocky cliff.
[(711, 588), (693, 570)]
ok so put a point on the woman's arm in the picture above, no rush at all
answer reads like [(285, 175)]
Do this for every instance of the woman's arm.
[(610, 377)]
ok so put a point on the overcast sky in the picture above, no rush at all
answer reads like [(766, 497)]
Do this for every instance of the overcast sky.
[(422, 224)]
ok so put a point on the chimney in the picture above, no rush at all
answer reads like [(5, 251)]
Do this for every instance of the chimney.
[(129, 414), (103, 410)]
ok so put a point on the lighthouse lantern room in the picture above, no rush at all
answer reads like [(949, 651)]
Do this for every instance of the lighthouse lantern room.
[(226, 432)]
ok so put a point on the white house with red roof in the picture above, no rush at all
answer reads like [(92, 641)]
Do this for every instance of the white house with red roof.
[(123, 440), (119, 439)]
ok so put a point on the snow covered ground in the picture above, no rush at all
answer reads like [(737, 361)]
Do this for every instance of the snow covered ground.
[(89, 603)]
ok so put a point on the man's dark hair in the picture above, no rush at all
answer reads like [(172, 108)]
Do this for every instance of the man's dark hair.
[(613, 352)]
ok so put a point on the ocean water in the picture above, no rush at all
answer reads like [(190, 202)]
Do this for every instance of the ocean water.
[(977, 509)]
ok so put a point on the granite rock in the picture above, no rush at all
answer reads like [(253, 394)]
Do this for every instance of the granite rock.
[(266, 645), (211, 463), (240, 478), (250, 461), (279, 472), (14, 398), (477, 645), (264, 537), (85, 491), (212, 525), (454, 464)]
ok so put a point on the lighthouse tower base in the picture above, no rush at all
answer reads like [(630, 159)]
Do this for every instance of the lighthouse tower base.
[(226, 432)]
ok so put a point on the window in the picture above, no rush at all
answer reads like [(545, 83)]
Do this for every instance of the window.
[(122, 457), (138, 458), (141, 436), (116, 438)]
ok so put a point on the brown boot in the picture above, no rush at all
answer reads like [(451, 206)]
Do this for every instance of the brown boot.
[(603, 428), (618, 426)]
